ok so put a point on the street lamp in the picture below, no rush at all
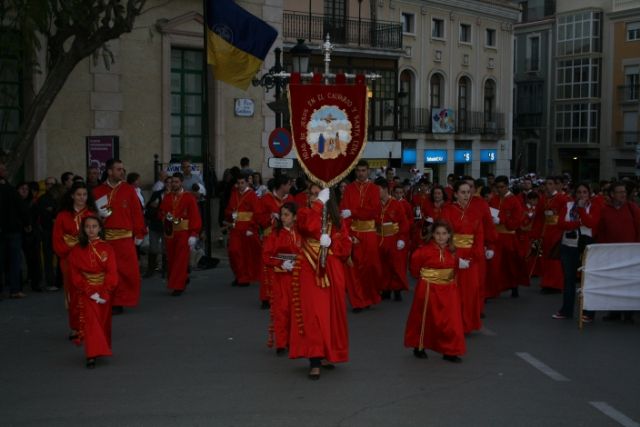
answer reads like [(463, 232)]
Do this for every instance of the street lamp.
[(300, 55)]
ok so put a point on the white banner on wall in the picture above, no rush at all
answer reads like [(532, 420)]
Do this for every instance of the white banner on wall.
[(612, 277)]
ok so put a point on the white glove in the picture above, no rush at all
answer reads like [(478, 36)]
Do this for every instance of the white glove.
[(275, 215), (192, 241), (400, 245), (287, 265), (530, 214), (234, 215), (249, 233), (429, 219), (137, 241), (323, 195), (95, 296), (548, 213), (346, 213), (488, 254), (101, 301), (102, 212), (325, 241), (463, 263), (496, 220)]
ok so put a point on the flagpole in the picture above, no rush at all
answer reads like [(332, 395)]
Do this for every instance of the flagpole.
[(206, 174)]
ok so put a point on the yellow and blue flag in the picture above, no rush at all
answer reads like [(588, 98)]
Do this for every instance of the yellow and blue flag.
[(237, 42)]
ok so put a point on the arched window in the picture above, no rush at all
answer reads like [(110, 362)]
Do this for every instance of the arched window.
[(490, 103), (464, 101), (437, 90)]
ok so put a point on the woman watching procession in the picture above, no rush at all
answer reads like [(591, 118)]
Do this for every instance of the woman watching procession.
[(435, 319), (319, 322), (94, 276), (76, 205)]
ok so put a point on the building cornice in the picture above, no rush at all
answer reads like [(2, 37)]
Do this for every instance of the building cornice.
[(504, 10), (543, 24), (622, 14)]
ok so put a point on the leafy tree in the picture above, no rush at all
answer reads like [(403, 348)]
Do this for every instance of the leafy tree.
[(69, 30)]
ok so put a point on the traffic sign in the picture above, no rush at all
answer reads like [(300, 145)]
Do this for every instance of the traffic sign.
[(278, 163), (280, 142)]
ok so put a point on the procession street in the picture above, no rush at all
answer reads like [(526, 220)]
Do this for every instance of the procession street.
[(202, 359)]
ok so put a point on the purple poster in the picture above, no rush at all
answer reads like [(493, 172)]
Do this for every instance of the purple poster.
[(100, 149)]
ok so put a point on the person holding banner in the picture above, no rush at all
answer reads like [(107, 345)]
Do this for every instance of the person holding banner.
[(393, 232), (124, 228), (435, 319), (245, 251), (181, 219), (319, 329), (280, 253), (77, 204), (360, 207)]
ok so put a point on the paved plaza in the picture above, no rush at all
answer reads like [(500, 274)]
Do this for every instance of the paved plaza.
[(202, 360)]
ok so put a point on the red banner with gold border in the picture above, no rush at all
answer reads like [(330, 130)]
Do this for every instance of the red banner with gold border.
[(329, 127)]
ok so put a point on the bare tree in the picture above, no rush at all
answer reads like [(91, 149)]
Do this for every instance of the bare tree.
[(69, 30)]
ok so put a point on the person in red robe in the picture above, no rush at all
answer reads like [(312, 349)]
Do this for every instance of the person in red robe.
[(505, 266), (393, 232), (245, 250), (124, 228), (76, 205), (435, 319), (182, 223), (94, 275), (280, 250), (553, 207), (398, 194), (360, 207), (529, 238), (319, 325), (468, 239), (270, 204)]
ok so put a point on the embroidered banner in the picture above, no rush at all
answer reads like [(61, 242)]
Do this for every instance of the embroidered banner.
[(329, 127)]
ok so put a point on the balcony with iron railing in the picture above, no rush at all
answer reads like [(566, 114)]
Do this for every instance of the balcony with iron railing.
[(345, 31), (625, 4), (627, 139), (419, 120), (629, 94)]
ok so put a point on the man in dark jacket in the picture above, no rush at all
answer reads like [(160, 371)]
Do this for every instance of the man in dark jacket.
[(11, 226)]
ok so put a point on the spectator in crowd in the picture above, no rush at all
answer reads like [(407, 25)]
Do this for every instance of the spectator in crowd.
[(31, 237), (190, 179), (93, 178), (155, 224), (619, 223), (133, 179), (258, 185), (67, 179), (48, 205), (160, 183), (11, 227), (244, 166)]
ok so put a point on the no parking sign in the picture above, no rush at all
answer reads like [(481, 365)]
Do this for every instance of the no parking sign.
[(280, 142)]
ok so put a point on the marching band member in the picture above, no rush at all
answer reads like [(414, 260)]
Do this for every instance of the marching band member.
[(393, 231), (435, 319), (182, 223), (124, 228)]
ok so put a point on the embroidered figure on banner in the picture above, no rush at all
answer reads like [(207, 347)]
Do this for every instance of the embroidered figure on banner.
[(328, 132)]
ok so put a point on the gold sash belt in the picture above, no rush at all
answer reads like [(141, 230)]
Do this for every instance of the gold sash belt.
[(311, 251), (363, 226), (117, 233), (94, 279), (244, 216), (266, 231), (464, 241), (70, 240), (437, 276), (183, 225), (551, 220), (500, 228), (388, 229)]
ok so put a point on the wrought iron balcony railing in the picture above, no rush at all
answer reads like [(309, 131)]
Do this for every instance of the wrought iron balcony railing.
[(420, 120), (628, 139), (357, 32)]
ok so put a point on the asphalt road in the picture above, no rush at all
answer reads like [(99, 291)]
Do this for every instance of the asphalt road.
[(201, 360)]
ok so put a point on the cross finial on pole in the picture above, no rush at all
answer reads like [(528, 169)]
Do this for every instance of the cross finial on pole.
[(327, 47)]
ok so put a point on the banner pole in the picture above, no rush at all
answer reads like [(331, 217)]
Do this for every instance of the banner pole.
[(327, 47)]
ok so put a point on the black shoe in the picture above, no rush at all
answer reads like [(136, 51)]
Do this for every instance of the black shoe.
[(281, 351), (385, 294), (397, 296), (117, 309), (482, 315), (91, 363), (243, 285), (549, 291), (328, 366), (176, 293), (356, 310), (234, 283), (73, 335), (452, 359), (264, 305), (515, 293), (420, 354)]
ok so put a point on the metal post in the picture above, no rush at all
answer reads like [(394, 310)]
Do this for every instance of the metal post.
[(205, 135), (327, 47), (155, 168), (277, 68)]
